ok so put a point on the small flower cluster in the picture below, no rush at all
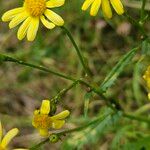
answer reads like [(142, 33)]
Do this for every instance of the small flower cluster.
[(147, 79), (34, 11)]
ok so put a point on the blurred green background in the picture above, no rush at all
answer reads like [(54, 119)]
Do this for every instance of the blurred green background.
[(102, 42)]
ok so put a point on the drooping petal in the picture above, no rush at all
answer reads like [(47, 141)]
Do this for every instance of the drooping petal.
[(7, 16), (33, 28), (106, 8), (61, 115), (87, 4), (46, 23), (52, 16), (18, 19), (1, 131), (45, 107), (117, 5), (57, 124), (95, 7), (9, 136), (44, 132), (54, 3), (22, 31)]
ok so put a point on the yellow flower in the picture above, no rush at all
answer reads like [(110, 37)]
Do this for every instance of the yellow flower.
[(43, 122), (106, 7), (147, 79), (31, 13), (7, 138)]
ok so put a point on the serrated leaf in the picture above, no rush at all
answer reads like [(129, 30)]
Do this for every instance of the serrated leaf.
[(117, 70), (91, 134)]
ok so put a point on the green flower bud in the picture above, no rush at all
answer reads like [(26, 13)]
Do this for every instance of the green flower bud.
[(54, 138)]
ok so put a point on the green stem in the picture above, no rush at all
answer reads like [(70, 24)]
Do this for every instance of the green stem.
[(37, 146), (136, 24), (143, 9), (5, 58), (86, 68), (71, 130), (131, 117), (64, 91)]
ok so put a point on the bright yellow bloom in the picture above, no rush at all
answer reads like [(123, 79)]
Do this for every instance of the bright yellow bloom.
[(106, 7), (31, 13), (147, 79), (43, 122), (7, 138)]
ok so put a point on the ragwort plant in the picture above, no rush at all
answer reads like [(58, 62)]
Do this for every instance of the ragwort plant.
[(29, 15)]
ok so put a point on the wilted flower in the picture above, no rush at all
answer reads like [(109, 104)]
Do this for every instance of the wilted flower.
[(147, 79), (7, 138), (106, 7), (31, 13), (43, 122)]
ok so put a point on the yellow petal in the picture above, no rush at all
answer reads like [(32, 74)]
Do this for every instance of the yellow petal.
[(1, 131), (117, 5), (87, 4), (106, 8), (43, 132), (149, 96), (18, 19), (95, 7), (52, 16), (9, 136), (33, 28), (22, 31), (46, 23), (45, 107), (11, 13), (57, 124), (36, 112), (61, 115), (54, 3)]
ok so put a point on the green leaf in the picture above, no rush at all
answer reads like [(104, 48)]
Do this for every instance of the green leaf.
[(87, 99), (120, 134), (117, 70), (146, 47), (141, 144), (91, 134), (136, 82)]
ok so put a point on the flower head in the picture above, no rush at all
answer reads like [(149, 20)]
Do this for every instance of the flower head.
[(146, 77), (31, 13), (106, 7), (43, 122), (7, 138)]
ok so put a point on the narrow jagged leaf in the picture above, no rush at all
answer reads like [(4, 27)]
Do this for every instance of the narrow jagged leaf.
[(117, 70), (91, 134)]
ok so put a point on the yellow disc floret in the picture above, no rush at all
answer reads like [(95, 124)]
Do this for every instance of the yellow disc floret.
[(35, 7), (42, 121)]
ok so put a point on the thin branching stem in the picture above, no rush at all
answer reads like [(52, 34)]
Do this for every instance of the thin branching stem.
[(5, 58), (79, 53), (77, 129)]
